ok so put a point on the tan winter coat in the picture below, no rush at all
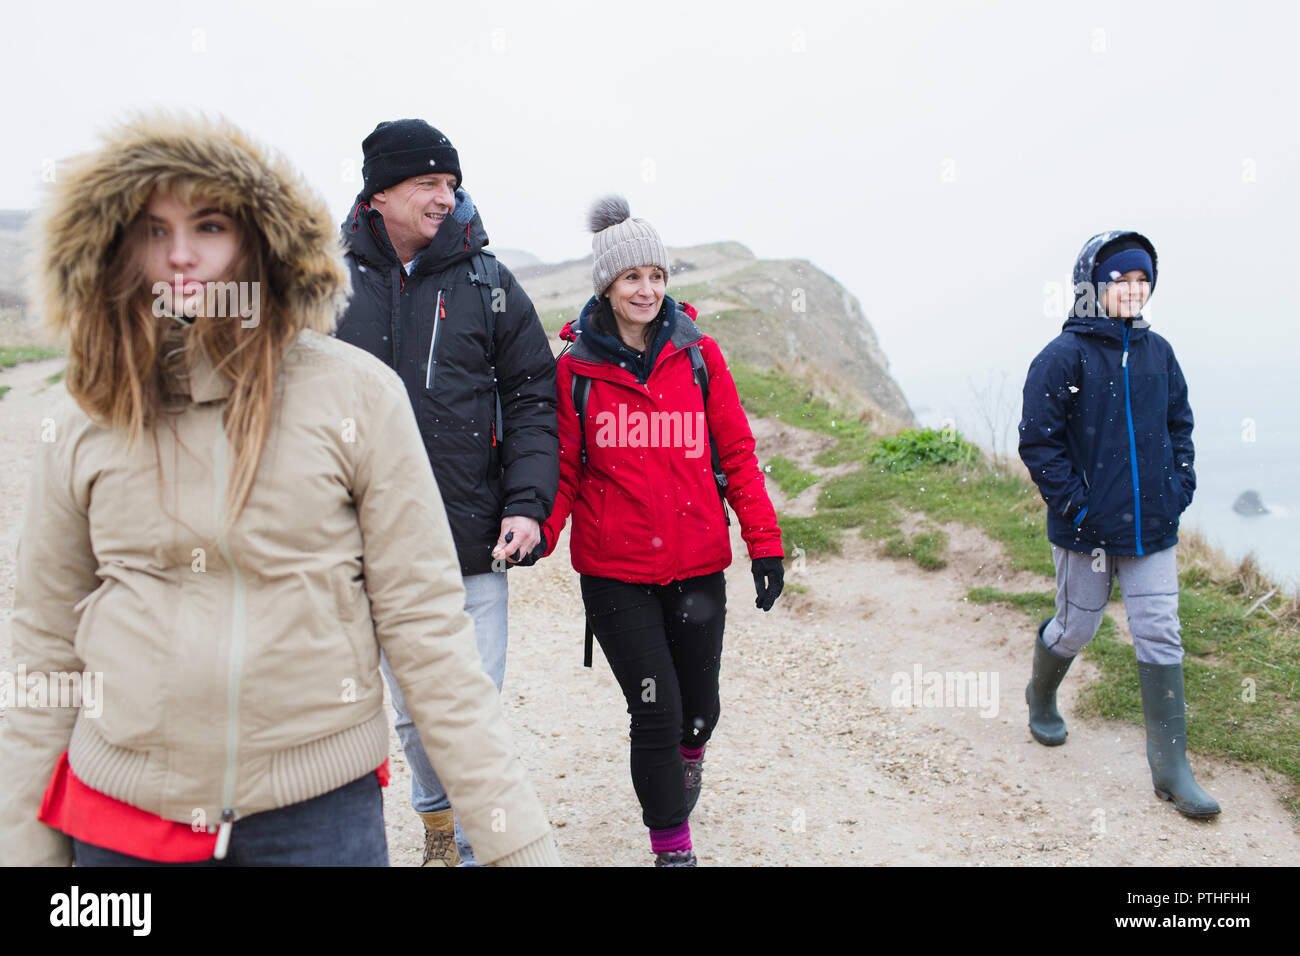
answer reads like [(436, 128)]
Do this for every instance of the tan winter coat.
[(240, 671)]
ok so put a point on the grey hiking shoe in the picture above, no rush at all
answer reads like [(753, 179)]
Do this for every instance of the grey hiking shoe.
[(676, 858)]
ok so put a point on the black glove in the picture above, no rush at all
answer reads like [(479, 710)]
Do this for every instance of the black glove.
[(769, 579)]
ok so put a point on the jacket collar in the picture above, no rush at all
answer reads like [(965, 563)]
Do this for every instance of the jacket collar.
[(1104, 327), (460, 237), (590, 345), (206, 383)]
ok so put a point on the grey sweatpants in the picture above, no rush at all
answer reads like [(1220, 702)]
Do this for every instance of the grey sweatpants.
[(1149, 585)]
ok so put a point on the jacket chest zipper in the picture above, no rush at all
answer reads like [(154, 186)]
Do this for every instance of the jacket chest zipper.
[(438, 314), (228, 814), (1132, 448)]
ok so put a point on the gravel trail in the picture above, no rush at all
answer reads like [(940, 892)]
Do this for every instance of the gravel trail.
[(813, 762)]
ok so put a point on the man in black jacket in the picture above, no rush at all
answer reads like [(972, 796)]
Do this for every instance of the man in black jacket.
[(429, 301)]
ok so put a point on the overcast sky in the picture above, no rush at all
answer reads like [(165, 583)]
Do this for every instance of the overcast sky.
[(944, 161)]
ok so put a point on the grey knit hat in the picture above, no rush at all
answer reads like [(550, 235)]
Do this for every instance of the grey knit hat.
[(621, 242)]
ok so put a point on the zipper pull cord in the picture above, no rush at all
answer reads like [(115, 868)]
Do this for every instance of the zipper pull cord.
[(223, 834)]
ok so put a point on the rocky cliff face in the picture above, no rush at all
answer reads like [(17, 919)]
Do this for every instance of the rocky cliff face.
[(783, 314)]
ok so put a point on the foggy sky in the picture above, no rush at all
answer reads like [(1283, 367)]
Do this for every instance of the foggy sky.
[(944, 161)]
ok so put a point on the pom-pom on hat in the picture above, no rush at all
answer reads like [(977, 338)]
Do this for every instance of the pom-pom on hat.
[(621, 242)]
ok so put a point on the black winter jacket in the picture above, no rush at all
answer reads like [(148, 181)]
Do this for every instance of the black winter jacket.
[(482, 476), (1106, 431)]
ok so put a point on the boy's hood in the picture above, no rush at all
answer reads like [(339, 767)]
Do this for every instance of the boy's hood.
[(1100, 324), (100, 194)]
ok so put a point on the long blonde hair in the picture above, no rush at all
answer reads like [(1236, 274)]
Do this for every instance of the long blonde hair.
[(125, 364), (118, 371)]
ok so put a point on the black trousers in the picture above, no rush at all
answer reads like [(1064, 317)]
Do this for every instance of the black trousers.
[(664, 645)]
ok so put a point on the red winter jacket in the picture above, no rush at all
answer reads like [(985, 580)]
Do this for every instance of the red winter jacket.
[(646, 507)]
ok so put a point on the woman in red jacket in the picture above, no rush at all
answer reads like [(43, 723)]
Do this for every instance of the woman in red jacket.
[(643, 395)]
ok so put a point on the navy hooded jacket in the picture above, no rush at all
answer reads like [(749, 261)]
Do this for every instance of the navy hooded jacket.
[(1106, 430)]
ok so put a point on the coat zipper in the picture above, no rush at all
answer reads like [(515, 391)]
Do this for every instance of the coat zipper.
[(236, 653), (395, 314), (433, 339), (1132, 449)]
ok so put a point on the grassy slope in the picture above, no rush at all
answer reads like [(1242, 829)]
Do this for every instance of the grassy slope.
[(1241, 672), (11, 355)]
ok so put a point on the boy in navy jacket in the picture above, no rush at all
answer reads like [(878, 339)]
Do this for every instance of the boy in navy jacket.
[(1106, 434)]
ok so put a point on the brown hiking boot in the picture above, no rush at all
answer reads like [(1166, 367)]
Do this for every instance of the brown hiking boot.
[(440, 839)]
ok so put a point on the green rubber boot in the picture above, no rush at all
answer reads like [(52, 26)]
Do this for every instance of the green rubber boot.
[(1166, 719), (1045, 721)]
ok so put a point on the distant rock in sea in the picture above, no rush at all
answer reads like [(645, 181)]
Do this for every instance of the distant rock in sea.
[(1249, 503)]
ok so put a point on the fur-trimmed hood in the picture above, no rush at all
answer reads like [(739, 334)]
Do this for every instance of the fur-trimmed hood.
[(99, 195)]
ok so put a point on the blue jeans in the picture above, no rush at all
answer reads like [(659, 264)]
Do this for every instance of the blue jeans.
[(344, 827), (487, 602)]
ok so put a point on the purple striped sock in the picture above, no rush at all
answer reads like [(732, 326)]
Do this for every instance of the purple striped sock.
[(689, 754), (674, 840)]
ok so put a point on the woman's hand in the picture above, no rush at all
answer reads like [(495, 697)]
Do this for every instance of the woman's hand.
[(769, 579)]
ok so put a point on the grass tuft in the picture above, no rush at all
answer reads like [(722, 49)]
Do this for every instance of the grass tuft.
[(789, 477), (11, 355)]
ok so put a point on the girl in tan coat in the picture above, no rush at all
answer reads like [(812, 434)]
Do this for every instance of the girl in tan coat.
[(229, 517)]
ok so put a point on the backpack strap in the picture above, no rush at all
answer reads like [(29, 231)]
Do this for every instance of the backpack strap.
[(701, 373), (485, 272), (580, 388)]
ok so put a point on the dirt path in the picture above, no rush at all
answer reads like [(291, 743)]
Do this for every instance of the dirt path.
[(812, 763)]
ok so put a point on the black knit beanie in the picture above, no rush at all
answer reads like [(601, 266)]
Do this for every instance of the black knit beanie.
[(400, 149)]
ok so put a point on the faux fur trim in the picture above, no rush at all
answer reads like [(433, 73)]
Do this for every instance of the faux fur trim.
[(102, 192)]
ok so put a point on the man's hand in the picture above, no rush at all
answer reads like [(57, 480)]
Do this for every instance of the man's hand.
[(527, 535)]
